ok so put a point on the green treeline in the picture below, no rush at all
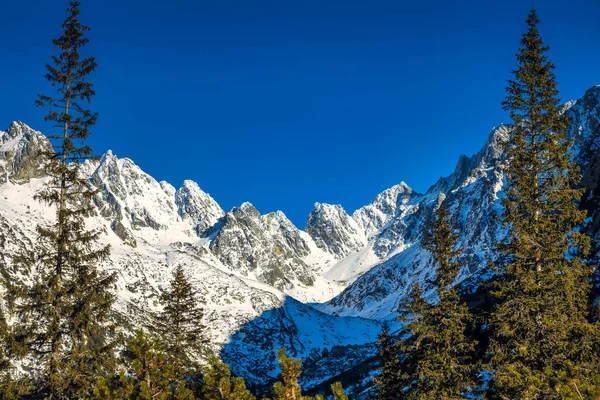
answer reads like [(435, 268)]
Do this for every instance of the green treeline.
[(538, 339)]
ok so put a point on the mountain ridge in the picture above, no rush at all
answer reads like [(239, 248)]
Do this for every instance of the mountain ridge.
[(342, 269)]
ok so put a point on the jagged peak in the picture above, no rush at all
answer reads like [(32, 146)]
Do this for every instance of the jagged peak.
[(326, 207), (192, 186), (107, 158), (395, 190), (16, 128), (280, 217), (245, 208), (594, 91), (167, 188)]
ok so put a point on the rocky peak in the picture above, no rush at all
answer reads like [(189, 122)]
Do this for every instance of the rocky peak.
[(197, 206), (267, 248), (20, 151), (168, 188), (129, 193), (334, 231), (386, 205)]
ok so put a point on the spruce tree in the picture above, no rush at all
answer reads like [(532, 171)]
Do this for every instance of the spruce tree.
[(388, 383), (289, 388), (337, 390), (180, 323), (541, 337), (291, 368), (218, 384), (63, 315), (411, 314), (148, 375), (442, 364)]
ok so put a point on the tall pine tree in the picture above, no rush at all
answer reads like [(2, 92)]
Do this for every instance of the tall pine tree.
[(180, 323), (63, 315), (541, 342), (442, 364), (388, 383)]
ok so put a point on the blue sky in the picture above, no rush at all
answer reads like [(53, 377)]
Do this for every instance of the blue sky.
[(285, 103)]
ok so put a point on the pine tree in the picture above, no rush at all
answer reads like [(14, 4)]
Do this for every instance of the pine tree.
[(439, 361), (291, 368), (337, 390), (411, 313), (63, 315), (179, 324), (220, 385), (541, 337), (388, 383), (289, 388), (149, 374)]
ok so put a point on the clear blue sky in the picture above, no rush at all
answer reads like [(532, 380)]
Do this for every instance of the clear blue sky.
[(285, 103)]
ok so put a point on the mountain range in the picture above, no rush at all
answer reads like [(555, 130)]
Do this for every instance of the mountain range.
[(322, 291)]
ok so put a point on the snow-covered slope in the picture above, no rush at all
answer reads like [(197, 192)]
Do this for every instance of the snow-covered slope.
[(239, 261), (472, 193), (266, 283)]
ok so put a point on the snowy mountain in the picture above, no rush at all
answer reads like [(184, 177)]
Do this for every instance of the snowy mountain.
[(321, 291)]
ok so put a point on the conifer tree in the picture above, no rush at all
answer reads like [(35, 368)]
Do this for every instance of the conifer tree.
[(337, 391), (63, 314), (148, 375), (218, 384), (441, 365), (541, 337), (411, 314), (388, 383), (289, 388), (291, 368), (179, 324)]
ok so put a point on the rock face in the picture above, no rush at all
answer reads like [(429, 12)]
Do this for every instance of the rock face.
[(268, 248), (334, 231), (153, 227), (20, 149), (345, 271), (197, 207)]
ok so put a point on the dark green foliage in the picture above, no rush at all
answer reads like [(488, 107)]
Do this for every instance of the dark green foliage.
[(541, 337), (388, 383), (289, 389), (218, 384), (291, 368), (338, 391), (148, 375), (179, 325), (64, 313), (439, 354)]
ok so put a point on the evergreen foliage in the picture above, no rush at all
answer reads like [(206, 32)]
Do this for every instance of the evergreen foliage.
[(148, 374), (388, 383), (218, 384), (291, 368), (337, 391), (179, 324), (63, 315), (411, 313), (541, 339), (289, 389), (439, 353)]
